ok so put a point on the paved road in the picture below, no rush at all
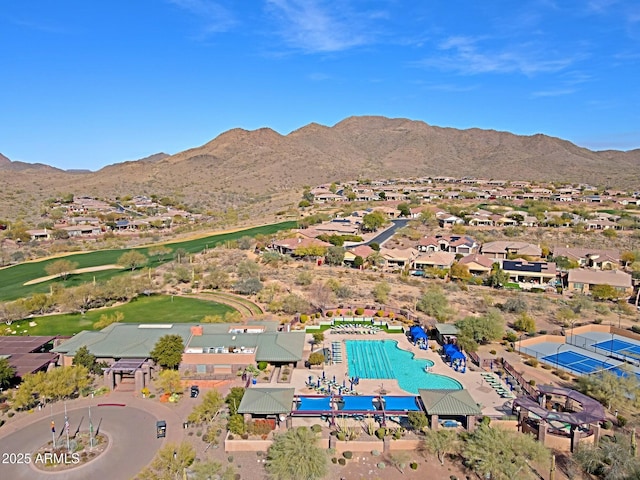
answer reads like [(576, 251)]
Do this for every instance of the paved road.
[(388, 233), (132, 430)]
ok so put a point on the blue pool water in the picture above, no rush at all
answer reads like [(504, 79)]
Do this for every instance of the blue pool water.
[(383, 359)]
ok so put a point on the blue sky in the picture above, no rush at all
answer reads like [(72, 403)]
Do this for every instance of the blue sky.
[(85, 83)]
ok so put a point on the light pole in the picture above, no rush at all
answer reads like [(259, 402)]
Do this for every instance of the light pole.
[(557, 354)]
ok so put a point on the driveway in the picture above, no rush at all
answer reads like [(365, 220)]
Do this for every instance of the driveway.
[(388, 233)]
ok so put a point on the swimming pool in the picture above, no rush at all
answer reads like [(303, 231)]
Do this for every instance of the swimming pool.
[(382, 359)]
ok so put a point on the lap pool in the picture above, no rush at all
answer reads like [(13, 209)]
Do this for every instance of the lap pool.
[(384, 359)]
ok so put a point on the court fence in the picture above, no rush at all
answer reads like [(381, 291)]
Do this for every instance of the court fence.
[(592, 345)]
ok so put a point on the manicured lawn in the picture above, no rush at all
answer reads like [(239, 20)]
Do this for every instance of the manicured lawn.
[(12, 279), (152, 309)]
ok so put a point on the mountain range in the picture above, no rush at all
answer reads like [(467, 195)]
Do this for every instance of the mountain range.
[(266, 170)]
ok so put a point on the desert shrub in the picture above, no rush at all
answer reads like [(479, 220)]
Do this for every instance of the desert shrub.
[(511, 337), (515, 305), (413, 465), (329, 313), (622, 421), (348, 455), (359, 311), (532, 382), (635, 328), (262, 366), (304, 318), (316, 428), (532, 362), (381, 432), (375, 453), (334, 460), (381, 465), (341, 436), (492, 352), (230, 458), (607, 425), (342, 461)]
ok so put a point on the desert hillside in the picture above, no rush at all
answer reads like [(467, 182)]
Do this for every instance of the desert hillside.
[(260, 168)]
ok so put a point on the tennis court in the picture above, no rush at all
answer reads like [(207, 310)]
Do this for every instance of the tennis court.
[(578, 363), (619, 347)]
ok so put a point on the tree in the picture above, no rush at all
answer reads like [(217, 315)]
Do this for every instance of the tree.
[(132, 260), (12, 311), (106, 320), (433, 302), (497, 277), (209, 409), (381, 292), (358, 261), (316, 358), (248, 269), (515, 304), (88, 360), (168, 350), (169, 381), (404, 209), (312, 251), (373, 221), (460, 272), (606, 292), (233, 399), (295, 455), (293, 303), (318, 338), (483, 329), (525, 323), (7, 373), (627, 258), (612, 391), (611, 459), (441, 443), (418, 420), (502, 455), (170, 462), (335, 255), (249, 286), (160, 252), (61, 268)]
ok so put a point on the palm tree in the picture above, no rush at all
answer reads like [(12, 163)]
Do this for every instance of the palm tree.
[(295, 455)]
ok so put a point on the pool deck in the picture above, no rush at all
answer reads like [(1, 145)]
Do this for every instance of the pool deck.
[(471, 380)]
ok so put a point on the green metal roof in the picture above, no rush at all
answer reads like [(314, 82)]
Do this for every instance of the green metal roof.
[(249, 340), (123, 340), (280, 347), (266, 401), (446, 329), (449, 402)]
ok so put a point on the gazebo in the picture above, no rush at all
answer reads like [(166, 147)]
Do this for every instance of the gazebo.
[(419, 336), (455, 357), (450, 403), (274, 403), (558, 413)]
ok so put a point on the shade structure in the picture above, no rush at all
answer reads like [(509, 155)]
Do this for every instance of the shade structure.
[(457, 355), (314, 404), (358, 403), (400, 404), (418, 333)]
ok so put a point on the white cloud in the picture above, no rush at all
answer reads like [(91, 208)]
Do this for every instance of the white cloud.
[(214, 15), (559, 92), (316, 26), (466, 55)]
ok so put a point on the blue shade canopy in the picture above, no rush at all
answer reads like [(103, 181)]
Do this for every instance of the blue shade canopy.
[(314, 404), (397, 404), (358, 403)]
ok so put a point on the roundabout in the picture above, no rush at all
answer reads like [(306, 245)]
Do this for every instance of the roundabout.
[(131, 445)]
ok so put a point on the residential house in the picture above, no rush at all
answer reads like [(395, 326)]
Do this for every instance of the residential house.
[(477, 264), (456, 244), (590, 257), (440, 260), (360, 251), (288, 246), (446, 220), (40, 234), (533, 272), (583, 280), (398, 257), (503, 249)]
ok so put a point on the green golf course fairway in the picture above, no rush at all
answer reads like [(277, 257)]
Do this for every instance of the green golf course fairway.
[(12, 279), (152, 309)]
